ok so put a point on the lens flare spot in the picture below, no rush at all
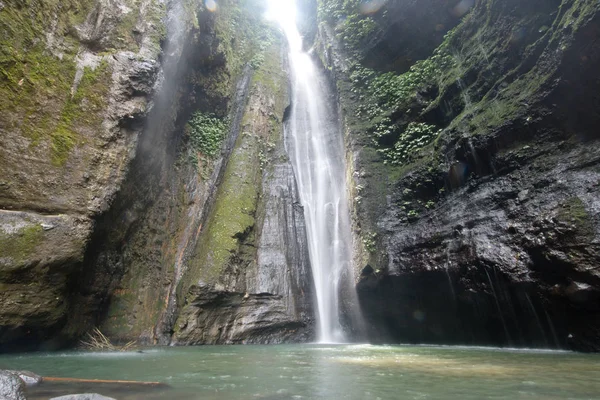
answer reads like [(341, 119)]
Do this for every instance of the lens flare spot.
[(211, 5), (463, 7), (419, 315), (371, 6)]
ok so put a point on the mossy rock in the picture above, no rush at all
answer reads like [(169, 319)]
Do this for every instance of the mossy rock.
[(20, 245), (573, 212)]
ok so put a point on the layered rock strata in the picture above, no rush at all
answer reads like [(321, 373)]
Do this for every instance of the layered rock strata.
[(475, 182)]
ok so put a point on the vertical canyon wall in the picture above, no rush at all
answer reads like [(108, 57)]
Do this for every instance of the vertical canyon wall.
[(145, 188), (472, 137)]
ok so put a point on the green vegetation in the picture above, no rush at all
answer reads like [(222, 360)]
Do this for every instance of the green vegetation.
[(370, 242), (36, 81), (333, 10), (233, 215), (265, 43), (34, 84), (158, 33), (573, 212), (416, 136), (21, 245), (84, 108), (227, 239), (242, 35), (388, 92), (412, 214), (206, 133), (356, 29), (381, 105), (351, 26), (380, 98), (128, 33)]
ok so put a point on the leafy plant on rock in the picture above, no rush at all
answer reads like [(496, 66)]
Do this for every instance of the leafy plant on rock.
[(206, 133), (416, 136), (370, 242)]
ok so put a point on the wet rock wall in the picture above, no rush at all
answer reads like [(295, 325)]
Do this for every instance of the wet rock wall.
[(111, 211), (76, 78), (479, 220)]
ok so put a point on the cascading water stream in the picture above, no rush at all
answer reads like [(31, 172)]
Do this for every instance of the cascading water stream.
[(314, 143)]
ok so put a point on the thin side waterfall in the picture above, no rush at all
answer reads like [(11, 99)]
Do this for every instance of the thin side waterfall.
[(315, 146)]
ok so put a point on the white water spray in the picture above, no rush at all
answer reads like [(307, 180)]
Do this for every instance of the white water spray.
[(315, 146)]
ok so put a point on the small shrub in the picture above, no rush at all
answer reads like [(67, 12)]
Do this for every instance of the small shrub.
[(416, 136), (370, 242), (206, 133), (355, 29), (413, 214)]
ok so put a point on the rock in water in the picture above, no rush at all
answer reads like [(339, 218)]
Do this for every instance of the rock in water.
[(28, 377), (11, 387), (85, 396)]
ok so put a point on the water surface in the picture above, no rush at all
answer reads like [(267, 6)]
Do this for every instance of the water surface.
[(324, 372)]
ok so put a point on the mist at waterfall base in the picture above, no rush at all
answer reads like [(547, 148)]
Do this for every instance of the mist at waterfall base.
[(355, 372), (314, 143)]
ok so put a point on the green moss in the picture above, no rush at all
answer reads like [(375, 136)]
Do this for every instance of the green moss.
[(233, 214), (242, 34), (119, 324), (191, 12), (63, 141), (508, 104), (22, 244), (270, 76), (84, 109), (370, 241), (380, 107), (573, 14), (228, 237), (125, 36), (36, 85), (269, 70), (573, 212), (27, 20), (156, 14)]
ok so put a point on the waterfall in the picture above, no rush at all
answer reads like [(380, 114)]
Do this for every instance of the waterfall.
[(315, 145)]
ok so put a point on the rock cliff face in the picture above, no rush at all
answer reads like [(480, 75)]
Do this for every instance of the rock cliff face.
[(145, 188), (112, 185), (249, 279), (191, 246), (76, 77), (476, 169)]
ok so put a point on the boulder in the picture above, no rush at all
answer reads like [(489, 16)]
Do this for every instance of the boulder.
[(11, 387), (28, 377)]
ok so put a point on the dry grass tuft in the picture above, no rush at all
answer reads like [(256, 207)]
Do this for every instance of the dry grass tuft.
[(96, 340)]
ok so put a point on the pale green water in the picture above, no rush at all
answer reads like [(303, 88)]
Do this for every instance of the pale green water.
[(327, 372)]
